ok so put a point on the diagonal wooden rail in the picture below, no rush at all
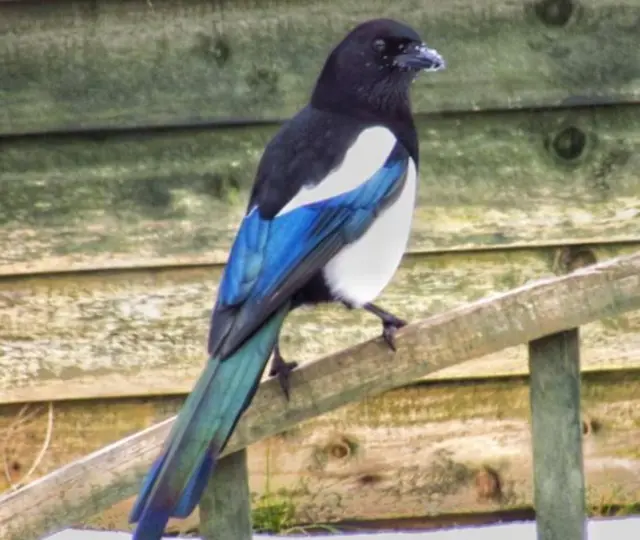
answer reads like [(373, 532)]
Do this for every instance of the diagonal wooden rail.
[(525, 314)]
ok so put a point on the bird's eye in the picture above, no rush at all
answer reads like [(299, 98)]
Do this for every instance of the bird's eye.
[(379, 45)]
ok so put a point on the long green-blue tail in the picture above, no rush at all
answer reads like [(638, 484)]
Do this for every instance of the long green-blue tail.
[(175, 482)]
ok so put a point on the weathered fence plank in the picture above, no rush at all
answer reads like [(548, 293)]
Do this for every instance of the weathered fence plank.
[(142, 333), (162, 61), (556, 423), (427, 449), (522, 315), (176, 197)]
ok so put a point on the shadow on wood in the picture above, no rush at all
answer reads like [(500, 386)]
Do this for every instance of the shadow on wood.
[(94, 483)]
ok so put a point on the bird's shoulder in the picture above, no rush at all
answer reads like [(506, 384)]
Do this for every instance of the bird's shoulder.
[(302, 153)]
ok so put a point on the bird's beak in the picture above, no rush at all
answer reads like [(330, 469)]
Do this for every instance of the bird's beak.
[(421, 57)]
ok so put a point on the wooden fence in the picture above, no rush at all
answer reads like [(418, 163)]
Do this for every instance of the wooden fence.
[(129, 136), (545, 313)]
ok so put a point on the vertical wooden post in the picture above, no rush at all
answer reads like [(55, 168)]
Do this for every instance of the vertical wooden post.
[(225, 506), (558, 472)]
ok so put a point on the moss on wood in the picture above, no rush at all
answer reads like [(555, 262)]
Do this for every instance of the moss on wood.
[(487, 180), (126, 63), (141, 333)]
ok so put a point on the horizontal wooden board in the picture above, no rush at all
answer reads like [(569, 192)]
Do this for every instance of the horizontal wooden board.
[(143, 333), (71, 63), (426, 450), (160, 198)]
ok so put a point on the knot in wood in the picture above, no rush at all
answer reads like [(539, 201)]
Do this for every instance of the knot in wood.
[(488, 485), (555, 12), (341, 447), (570, 258), (569, 143), (589, 425)]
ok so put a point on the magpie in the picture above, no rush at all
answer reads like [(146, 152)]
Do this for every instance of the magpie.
[(328, 220)]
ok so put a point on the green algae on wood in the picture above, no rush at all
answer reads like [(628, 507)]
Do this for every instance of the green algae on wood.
[(558, 465), (176, 197), (143, 333), (70, 64), (225, 505)]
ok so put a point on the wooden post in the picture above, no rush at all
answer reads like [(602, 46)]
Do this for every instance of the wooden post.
[(225, 506), (558, 472)]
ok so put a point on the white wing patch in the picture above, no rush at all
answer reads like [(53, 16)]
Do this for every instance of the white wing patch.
[(365, 157), (361, 270)]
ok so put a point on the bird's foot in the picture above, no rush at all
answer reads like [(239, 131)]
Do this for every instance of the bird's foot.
[(282, 369), (389, 329), (390, 324)]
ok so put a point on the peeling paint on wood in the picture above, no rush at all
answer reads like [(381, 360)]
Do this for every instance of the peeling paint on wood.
[(143, 333), (115, 63), (487, 180), (410, 452)]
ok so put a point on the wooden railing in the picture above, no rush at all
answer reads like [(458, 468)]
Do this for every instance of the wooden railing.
[(545, 313)]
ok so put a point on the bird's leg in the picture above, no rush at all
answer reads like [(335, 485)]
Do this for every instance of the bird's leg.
[(281, 369), (390, 323)]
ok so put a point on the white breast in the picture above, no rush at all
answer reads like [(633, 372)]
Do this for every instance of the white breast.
[(362, 269), (360, 272)]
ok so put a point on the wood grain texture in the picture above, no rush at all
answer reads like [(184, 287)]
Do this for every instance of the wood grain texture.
[(110, 475), (71, 63), (143, 333), (431, 449), (225, 506), (556, 436), (163, 198)]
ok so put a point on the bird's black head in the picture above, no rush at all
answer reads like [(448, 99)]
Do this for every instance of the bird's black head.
[(372, 68)]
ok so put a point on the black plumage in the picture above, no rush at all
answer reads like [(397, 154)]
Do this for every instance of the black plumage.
[(361, 85), (328, 220)]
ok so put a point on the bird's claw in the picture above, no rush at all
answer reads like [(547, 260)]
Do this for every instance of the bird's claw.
[(389, 329), (282, 369)]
